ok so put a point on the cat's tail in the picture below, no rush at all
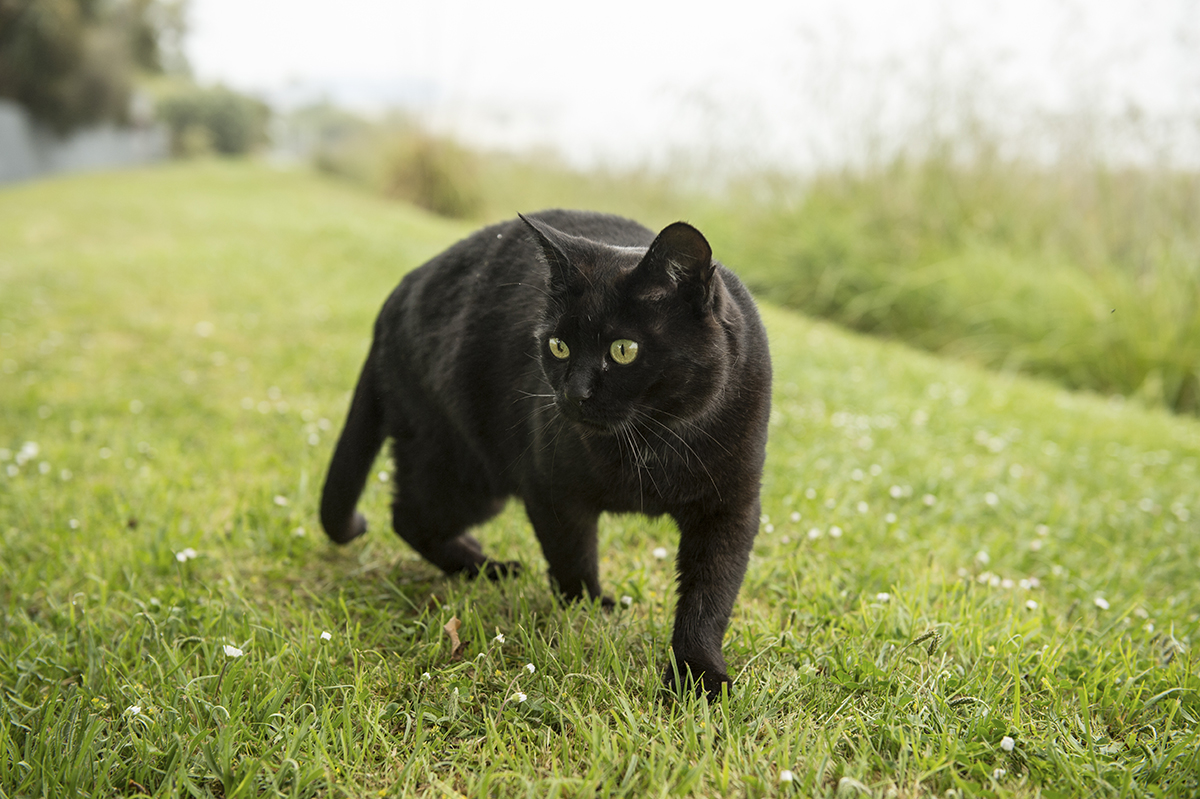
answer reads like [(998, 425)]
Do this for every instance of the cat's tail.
[(352, 458)]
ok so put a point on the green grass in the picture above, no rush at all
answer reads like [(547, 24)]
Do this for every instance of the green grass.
[(1010, 560)]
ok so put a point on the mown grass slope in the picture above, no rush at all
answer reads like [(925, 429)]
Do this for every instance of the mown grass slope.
[(964, 581)]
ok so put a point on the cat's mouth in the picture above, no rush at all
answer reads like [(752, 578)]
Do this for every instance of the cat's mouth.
[(587, 418)]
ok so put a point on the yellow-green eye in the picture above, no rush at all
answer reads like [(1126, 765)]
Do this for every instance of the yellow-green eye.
[(560, 349), (623, 351)]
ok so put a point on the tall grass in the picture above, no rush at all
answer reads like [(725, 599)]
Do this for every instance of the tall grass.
[(1087, 274), (1072, 270)]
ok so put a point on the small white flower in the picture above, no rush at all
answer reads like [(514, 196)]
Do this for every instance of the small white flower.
[(325, 636), (660, 552), (896, 492), (890, 518), (281, 500), (233, 651), (383, 477), (299, 532), (982, 558), (863, 507), (133, 710), (520, 696), (814, 533), (1031, 604), (998, 774), (1036, 545), (883, 596), (426, 676), (1042, 530), (1007, 743), (186, 554), (991, 499), (529, 667), (1101, 603), (795, 517), (499, 638), (770, 528), (786, 776), (626, 600), (930, 500), (810, 493), (835, 531)]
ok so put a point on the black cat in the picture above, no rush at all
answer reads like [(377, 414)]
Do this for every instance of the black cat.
[(584, 365)]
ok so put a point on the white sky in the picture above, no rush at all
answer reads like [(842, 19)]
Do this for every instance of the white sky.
[(768, 79)]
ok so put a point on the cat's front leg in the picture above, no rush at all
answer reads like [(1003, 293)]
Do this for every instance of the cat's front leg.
[(568, 538), (714, 548)]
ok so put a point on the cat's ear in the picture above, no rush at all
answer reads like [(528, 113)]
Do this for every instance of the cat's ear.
[(679, 261), (553, 245)]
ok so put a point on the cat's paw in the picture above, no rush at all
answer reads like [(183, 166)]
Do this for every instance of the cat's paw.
[(496, 569), (691, 678)]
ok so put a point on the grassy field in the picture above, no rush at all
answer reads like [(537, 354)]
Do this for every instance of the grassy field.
[(965, 582)]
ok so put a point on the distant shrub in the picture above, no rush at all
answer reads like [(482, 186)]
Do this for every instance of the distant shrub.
[(434, 173), (213, 120)]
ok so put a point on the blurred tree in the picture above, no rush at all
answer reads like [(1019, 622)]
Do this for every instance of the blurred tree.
[(72, 63)]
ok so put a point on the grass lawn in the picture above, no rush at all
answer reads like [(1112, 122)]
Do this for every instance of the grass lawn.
[(964, 582)]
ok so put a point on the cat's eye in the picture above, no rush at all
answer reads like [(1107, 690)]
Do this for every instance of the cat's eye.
[(623, 351), (559, 349)]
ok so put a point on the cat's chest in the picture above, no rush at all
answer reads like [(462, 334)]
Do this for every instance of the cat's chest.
[(634, 470)]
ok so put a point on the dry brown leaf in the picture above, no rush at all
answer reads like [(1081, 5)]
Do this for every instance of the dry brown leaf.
[(456, 646)]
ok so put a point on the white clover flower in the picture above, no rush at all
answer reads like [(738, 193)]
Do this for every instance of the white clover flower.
[(325, 636), (529, 667), (499, 638), (660, 552), (1007, 743), (896, 492), (1031, 604), (835, 531), (883, 596), (770, 528), (1101, 603), (786, 775), (520, 696), (998, 774), (982, 558), (814, 533), (186, 554), (233, 651), (795, 517), (627, 600)]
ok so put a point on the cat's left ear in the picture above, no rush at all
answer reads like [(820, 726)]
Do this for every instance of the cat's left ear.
[(679, 261), (553, 244)]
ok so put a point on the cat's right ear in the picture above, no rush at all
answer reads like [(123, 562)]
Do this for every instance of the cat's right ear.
[(550, 242)]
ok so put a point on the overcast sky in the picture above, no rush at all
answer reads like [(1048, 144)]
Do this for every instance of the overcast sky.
[(633, 79)]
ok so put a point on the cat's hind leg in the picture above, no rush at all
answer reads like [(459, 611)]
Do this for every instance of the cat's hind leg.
[(436, 501)]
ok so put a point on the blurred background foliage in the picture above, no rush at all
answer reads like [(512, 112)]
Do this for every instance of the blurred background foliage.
[(1066, 266), (73, 63)]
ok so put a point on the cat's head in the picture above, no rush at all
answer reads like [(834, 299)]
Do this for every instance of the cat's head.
[(633, 334)]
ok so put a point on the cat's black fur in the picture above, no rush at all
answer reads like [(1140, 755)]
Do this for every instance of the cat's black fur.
[(462, 378)]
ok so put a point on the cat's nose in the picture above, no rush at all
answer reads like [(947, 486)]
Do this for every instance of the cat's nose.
[(578, 390)]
